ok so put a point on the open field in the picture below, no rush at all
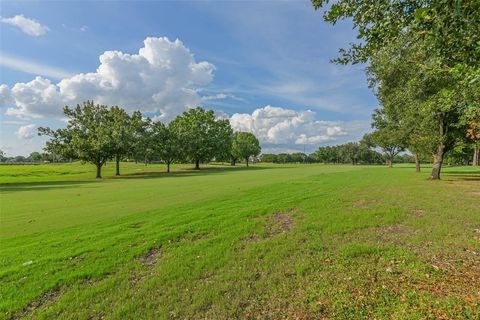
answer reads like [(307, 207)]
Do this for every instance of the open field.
[(265, 242)]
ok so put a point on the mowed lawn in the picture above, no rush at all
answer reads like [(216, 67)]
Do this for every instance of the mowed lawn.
[(265, 242)]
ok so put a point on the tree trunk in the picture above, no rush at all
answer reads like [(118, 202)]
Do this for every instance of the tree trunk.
[(475, 157), (232, 162), (390, 162), (246, 159), (417, 163), (168, 167), (117, 160), (197, 164), (437, 162), (99, 170)]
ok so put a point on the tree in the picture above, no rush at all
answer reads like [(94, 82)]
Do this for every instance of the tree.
[(351, 152), (142, 143), (224, 138), (269, 157), (88, 135), (473, 133), (436, 42), (201, 136), (246, 145), (166, 144), (389, 135), (125, 129), (3, 157), (35, 156)]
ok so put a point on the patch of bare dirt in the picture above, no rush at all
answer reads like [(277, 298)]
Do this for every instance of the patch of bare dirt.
[(151, 257), (395, 234), (279, 222), (46, 298), (419, 212), (276, 223), (364, 203), (148, 260)]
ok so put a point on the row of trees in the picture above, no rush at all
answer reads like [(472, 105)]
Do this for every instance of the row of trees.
[(423, 62), (32, 157), (352, 152), (349, 153), (297, 157), (98, 133)]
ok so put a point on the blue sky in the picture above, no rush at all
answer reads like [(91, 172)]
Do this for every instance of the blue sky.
[(263, 64)]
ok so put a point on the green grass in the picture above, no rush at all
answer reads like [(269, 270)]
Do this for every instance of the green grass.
[(269, 241)]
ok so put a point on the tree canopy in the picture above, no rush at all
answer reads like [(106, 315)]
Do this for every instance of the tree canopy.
[(423, 63), (201, 136), (245, 145)]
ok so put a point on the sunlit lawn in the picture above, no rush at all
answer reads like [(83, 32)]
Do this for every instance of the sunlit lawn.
[(269, 241)]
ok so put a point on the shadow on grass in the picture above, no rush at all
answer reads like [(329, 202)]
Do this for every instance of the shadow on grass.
[(190, 172), (461, 177), (42, 185), (475, 172), (49, 185)]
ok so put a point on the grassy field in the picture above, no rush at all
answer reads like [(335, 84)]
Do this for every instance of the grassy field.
[(265, 242)]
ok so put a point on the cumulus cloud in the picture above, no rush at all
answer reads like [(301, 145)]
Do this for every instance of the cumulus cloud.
[(5, 95), (27, 132), (281, 126), (28, 26), (163, 78), (335, 131)]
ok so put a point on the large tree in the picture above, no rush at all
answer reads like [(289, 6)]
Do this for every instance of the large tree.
[(436, 40), (87, 136), (201, 136), (246, 145), (143, 144), (166, 145), (125, 130)]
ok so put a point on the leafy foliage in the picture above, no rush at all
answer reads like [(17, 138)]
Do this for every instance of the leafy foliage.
[(245, 145), (201, 136)]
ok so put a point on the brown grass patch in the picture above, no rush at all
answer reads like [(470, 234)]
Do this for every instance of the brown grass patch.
[(419, 212), (46, 298), (151, 257), (279, 222), (364, 203), (276, 223)]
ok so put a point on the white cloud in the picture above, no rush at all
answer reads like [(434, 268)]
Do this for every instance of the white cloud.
[(28, 26), (37, 98), (5, 95), (163, 77), (304, 139), (336, 131), (217, 96), (27, 132), (275, 125)]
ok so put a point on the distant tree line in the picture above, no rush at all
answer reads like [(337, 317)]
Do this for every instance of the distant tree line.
[(34, 157), (362, 152), (297, 157), (97, 134)]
